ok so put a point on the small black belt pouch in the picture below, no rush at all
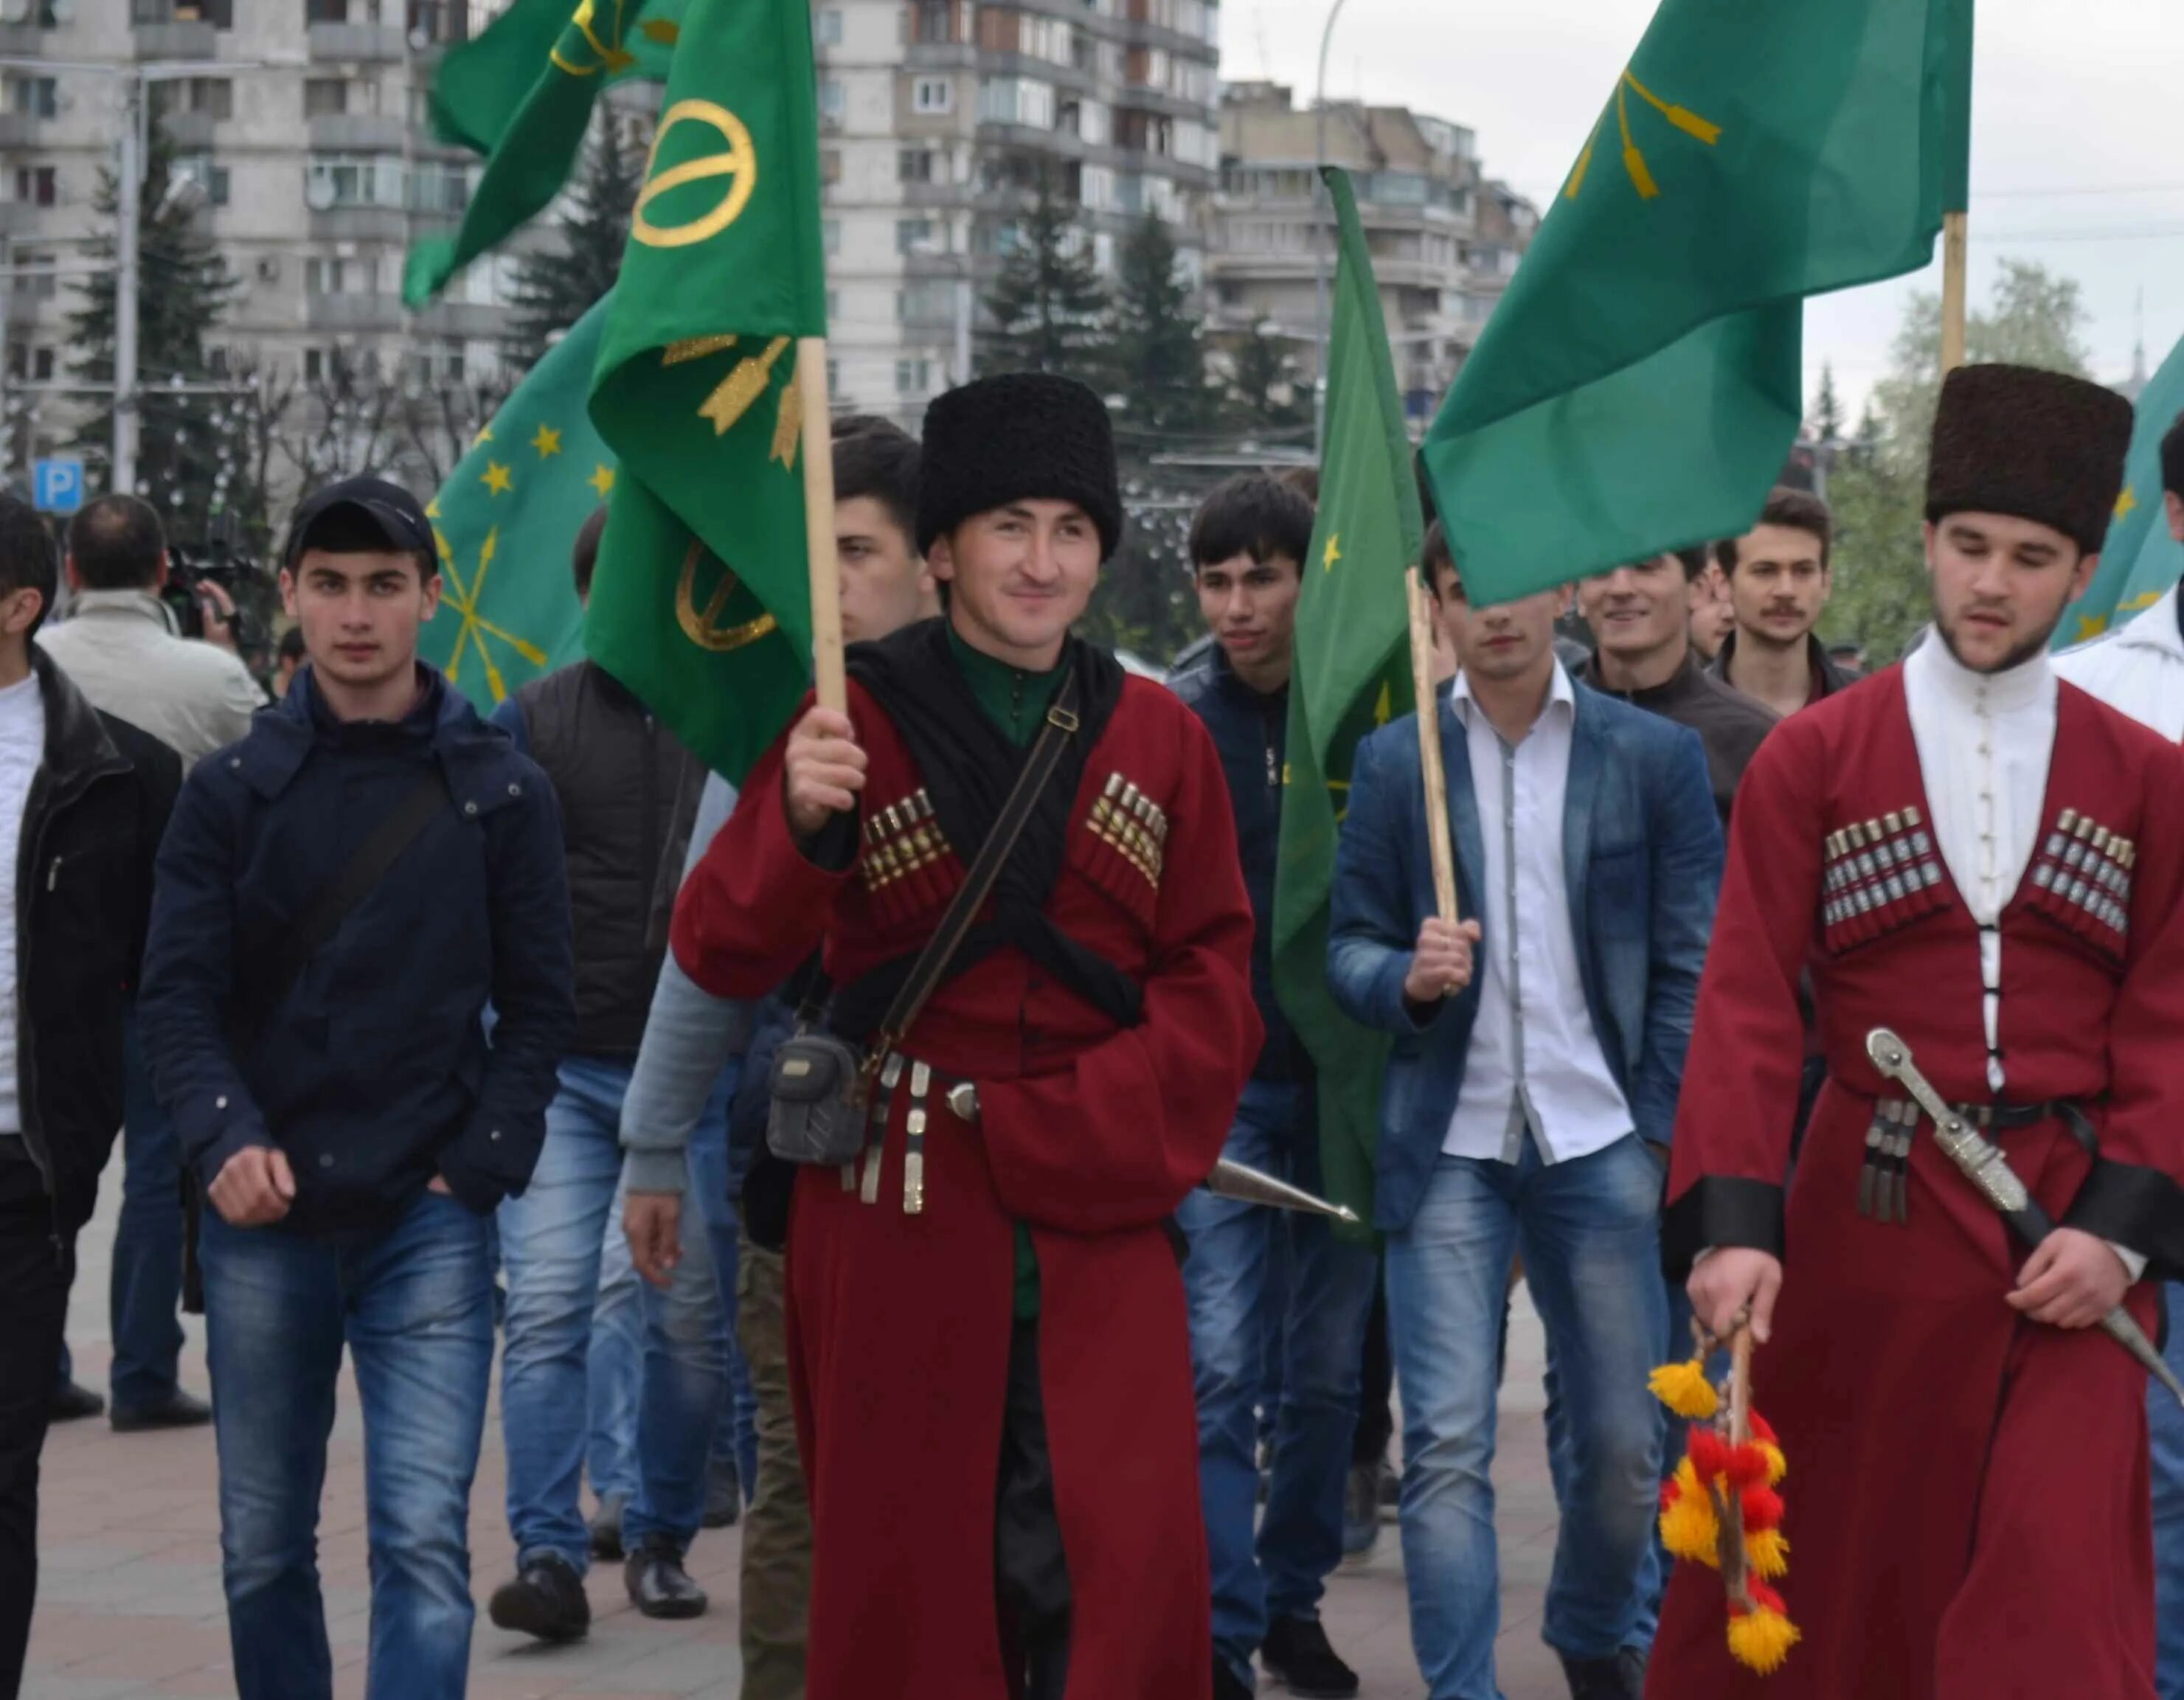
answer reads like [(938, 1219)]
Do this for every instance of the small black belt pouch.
[(817, 1113)]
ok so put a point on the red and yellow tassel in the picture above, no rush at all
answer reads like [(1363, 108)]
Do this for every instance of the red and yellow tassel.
[(1683, 1389), (1761, 1635)]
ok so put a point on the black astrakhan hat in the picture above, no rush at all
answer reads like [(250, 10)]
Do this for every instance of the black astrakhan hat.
[(1018, 436), (2032, 444)]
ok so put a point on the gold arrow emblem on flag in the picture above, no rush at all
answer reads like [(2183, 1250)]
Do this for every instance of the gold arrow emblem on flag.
[(1633, 157), (703, 627)]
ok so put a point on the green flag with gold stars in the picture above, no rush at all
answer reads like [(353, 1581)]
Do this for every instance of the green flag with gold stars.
[(701, 602), (2140, 560), (504, 522), (1353, 672), (534, 145), (1640, 384)]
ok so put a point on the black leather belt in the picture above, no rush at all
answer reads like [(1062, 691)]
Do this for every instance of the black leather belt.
[(1884, 1179)]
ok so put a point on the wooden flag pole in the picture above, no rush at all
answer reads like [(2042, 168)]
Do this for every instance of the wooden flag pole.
[(1429, 763), (1955, 257), (833, 690)]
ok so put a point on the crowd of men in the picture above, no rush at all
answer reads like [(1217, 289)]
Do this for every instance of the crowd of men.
[(831, 1156)]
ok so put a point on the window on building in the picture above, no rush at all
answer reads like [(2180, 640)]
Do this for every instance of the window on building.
[(913, 378), (35, 275), (200, 170), (33, 97), (915, 235), (830, 164), (315, 364), (933, 95), (827, 29), (444, 21), (928, 302), (325, 97), (36, 186), (43, 364), (914, 165), (219, 14), (830, 236), (438, 187), (834, 101), (325, 11), (354, 179)]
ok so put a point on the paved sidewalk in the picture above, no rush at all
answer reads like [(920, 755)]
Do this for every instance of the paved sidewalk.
[(129, 1601)]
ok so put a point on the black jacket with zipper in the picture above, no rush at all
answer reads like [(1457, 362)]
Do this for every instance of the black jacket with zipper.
[(628, 792), (91, 831), (1250, 729)]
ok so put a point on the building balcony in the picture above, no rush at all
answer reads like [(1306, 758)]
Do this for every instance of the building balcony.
[(360, 224), (354, 314), (177, 40), (21, 41), (191, 132), (940, 56), (469, 320), (354, 43), (18, 130), (358, 133)]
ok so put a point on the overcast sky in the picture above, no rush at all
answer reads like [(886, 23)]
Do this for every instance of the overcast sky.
[(2077, 147)]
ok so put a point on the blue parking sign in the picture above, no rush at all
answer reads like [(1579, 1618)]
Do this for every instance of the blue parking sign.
[(57, 486)]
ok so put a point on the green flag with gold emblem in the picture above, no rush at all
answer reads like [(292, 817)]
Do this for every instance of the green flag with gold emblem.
[(1352, 672), (479, 85), (535, 143), (701, 603), (505, 521), (1639, 387)]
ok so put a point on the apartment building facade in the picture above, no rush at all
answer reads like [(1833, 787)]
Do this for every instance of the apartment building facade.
[(1445, 237), (302, 122), (939, 120)]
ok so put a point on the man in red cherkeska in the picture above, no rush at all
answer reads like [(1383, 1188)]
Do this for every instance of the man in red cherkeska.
[(1991, 863), (992, 1379)]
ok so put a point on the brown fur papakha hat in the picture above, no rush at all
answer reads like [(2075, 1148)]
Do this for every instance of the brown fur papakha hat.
[(2035, 445)]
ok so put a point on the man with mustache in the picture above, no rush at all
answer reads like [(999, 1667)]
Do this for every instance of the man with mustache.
[(1779, 582)]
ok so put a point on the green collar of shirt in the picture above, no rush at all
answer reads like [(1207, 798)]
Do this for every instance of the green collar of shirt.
[(1014, 699)]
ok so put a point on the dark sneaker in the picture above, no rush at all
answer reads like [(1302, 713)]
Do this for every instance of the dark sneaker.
[(72, 1402), (606, 1529), (724, 1494), (659, 1585), (1227, 1684), (177, 1410), (1621, 1678), (1361, 1511), (1297, 1655), (545, 1600)]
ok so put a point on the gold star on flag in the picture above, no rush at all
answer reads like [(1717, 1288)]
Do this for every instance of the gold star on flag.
[(547, 441), (485, 435), (602, 479), (2125, 502), (496, 478), (1334, 552)]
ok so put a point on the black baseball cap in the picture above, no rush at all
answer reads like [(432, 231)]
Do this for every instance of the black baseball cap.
[(386, 510)]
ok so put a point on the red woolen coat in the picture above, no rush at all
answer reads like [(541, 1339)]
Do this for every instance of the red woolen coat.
[(900, 1323), (1968, 1492)]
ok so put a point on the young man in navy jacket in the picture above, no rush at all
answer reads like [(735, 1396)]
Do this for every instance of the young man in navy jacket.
[(351, 1125)]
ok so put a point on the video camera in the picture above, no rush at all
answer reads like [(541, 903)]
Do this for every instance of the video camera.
[(192, 566)]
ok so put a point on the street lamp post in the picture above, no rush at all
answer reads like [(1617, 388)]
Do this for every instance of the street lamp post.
[(1321, 241)]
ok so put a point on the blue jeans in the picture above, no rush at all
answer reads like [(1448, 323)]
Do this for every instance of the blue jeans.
[(632, 1322), (1589, 1232), (2165, 1427), (1330, 1295), (144, 1298), (414, 1308), (551, 1242)]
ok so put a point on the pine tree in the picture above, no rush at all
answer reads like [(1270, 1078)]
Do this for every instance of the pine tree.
[(1159, 363), (1264, 389), (1048, 309), (189, 450), (557, 286), (1827, 407)]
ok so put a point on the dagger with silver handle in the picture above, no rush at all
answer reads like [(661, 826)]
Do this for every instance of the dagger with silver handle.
[(1989, 1171), (1229, 1179)]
